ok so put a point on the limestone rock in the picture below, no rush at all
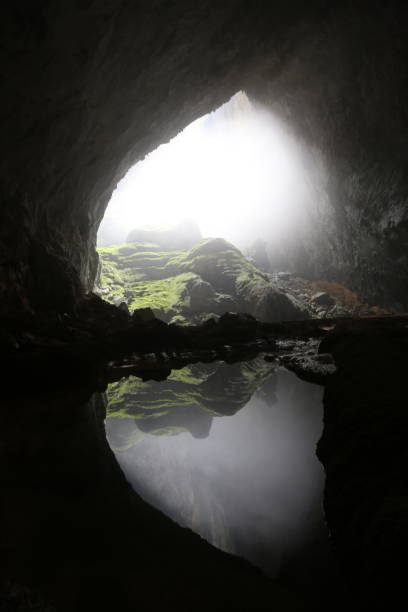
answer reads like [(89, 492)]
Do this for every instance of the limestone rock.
[(181, 286)]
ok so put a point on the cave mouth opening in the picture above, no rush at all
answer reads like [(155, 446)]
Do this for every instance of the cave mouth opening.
[(204, 223), (238, 173)]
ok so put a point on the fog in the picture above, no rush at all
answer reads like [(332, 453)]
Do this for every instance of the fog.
[(252, 487), (238, 172)]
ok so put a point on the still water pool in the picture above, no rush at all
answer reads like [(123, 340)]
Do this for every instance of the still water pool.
[(229, 452)]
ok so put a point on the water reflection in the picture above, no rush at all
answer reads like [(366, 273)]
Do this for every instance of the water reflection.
[(249, 483)]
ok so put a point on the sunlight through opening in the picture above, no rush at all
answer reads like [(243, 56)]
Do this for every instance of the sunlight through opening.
[(237, 172)]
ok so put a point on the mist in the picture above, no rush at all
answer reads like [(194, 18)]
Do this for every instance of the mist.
[(238, 172), (253, 487)]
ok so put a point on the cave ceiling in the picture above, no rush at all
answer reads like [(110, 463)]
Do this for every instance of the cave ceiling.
[(89, 88)]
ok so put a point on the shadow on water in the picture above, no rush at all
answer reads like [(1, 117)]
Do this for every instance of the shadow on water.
[(229, 451)]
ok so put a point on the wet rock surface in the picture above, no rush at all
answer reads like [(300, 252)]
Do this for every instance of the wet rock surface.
[(302, 358)]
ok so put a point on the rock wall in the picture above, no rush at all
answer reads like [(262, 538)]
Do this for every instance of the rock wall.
[(91, 87), (343, 91), (364, 454)]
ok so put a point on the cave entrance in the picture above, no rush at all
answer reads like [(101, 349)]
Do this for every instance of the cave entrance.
[(237, 176), (237, 172)]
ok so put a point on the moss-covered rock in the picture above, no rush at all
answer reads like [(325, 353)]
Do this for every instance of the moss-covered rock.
[(212, 277)]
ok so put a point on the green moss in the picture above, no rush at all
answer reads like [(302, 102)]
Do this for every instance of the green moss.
[(165, 296), (168, 431), (187, 376), (145, 276)]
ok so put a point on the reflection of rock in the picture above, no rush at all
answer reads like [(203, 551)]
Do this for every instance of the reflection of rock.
[(183, 286), (232, 386), (267, 392), (244, 488), (190, 418), (186, 401)]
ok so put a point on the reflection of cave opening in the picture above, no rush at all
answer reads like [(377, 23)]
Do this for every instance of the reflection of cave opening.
[(229, 451)]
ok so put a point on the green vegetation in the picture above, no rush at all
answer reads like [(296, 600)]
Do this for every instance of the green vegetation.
[(188, 286), (184, 287)]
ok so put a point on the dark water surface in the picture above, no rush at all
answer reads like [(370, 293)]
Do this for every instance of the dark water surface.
[(229, 451), (226, 450)]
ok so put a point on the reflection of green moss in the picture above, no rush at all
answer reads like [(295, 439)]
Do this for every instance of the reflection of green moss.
[(132, 397), (187, 400), (186, 376), (127, 440), (168, 431)]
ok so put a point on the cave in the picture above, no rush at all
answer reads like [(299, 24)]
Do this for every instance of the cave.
[(90, 89), (237, 172)]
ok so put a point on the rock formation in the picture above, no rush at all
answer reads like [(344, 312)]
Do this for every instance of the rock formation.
[(91, 87), (189, 286), (78, 111)]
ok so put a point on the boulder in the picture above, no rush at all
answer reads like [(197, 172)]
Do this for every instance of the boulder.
[(211, 277), (143, 315), (200, 295), (322, 299), (236, 320)]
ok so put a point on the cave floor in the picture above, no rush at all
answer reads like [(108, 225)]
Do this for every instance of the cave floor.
[(76, 536)]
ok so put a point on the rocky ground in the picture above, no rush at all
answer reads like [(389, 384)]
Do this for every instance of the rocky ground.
[(323, 299), (185, 279), (190, 286)]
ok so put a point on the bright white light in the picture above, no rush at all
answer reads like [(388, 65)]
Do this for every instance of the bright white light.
[(237, 172)]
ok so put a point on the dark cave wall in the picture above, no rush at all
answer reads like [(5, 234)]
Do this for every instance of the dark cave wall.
[(91, 87), (344, 90)]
